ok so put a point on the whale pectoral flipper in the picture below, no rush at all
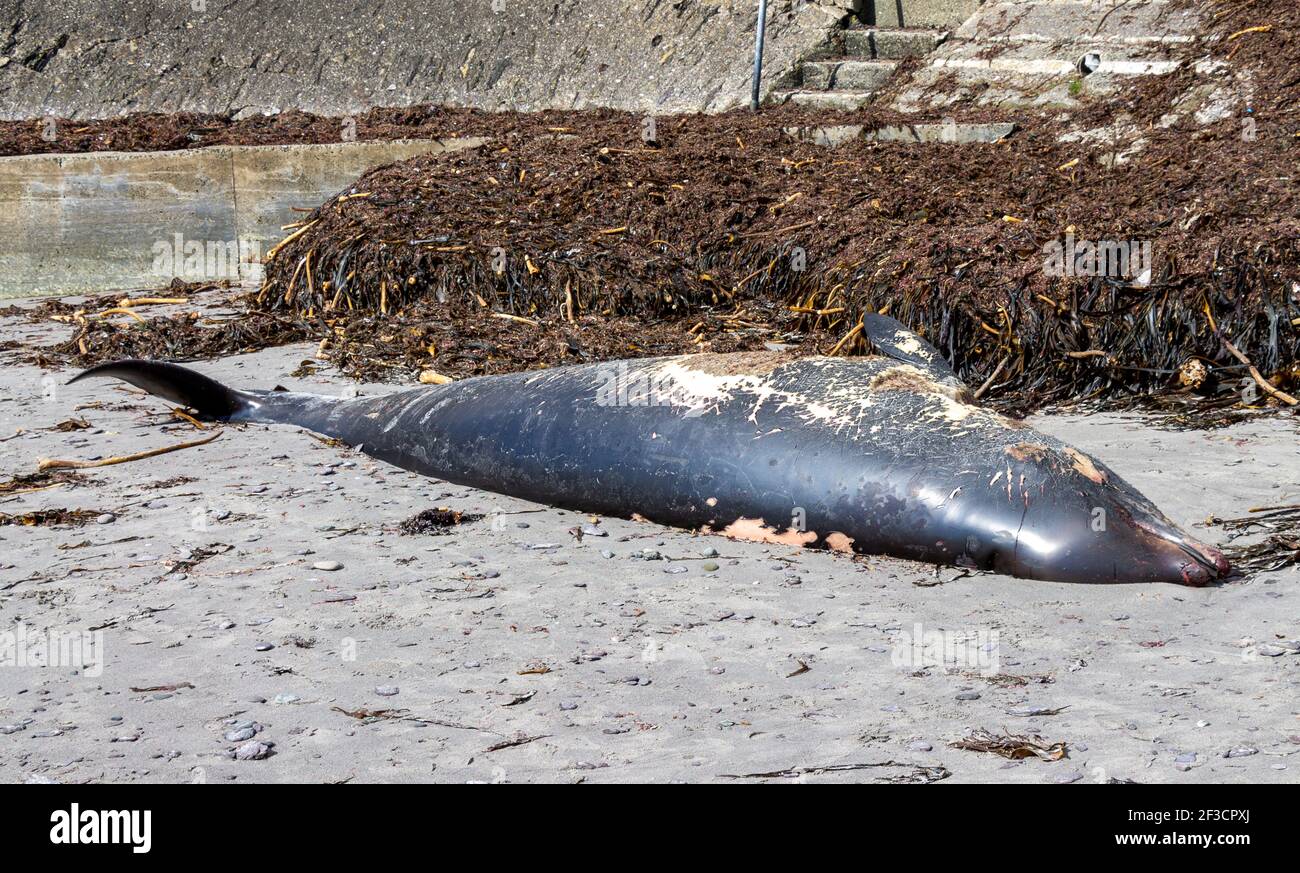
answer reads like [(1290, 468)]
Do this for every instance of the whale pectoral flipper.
[(893, 340)]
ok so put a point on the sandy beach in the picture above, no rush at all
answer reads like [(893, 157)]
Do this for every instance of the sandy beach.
[(249, 610)]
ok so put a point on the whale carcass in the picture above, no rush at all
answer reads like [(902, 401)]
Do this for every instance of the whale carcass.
[(886, 454)]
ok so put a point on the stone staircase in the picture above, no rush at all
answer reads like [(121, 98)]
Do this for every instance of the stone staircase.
[(1008, 56), (858, 69), (1049, 54)]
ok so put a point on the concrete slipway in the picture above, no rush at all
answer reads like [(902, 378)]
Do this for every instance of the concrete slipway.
[(114, 220)]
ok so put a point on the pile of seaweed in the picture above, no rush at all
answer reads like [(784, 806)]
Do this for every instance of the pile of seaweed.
[(215, 322), (161, 131), (566, 216), (1280, 546), (585, 235), (428, 340)]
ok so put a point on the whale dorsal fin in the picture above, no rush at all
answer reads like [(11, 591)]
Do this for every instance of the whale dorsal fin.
[(893, 340)]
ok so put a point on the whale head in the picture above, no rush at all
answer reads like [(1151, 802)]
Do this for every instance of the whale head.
[(1063, 516)]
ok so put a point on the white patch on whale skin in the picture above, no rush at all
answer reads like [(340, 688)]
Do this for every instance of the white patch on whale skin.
[(698, 391), (844, 404), (953, 410), (906, 341), (417, 397)]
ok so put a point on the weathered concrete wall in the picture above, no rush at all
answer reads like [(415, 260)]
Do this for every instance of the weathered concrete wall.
[(110, 221), (99, 58)]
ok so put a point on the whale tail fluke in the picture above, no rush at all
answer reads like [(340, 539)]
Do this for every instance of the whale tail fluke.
[(178, 384), (214, 401)]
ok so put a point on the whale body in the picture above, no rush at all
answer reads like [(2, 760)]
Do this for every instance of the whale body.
[(885, 454)]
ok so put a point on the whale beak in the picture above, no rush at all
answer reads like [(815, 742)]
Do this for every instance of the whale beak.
[(1209, 563), (1137, 545), (1187, 561)]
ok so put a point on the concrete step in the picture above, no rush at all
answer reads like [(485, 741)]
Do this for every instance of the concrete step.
[(1048, 53), (1062, 59), (848, 75), (837, 101), (876, 42), (919, 13), (1028, 74), (950, 132), (832, 135)]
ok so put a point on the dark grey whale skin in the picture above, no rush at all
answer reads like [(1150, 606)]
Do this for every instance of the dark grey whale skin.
[(875, 454)]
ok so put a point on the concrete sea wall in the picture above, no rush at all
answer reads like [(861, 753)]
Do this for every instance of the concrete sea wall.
[(99, 58)]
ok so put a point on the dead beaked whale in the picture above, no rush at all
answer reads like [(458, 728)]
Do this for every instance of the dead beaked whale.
[(879, 455)]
